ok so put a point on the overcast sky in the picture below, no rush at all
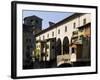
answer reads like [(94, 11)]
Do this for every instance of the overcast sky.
[(47, 16)]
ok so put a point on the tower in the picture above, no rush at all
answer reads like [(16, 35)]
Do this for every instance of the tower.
[(31, 26), (35, 23)]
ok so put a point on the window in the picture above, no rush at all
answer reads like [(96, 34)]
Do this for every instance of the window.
[(65, 28), (52, 40), (43, 37), (33, 22), (73, 50), (74, 25), (59, 31), (29, 40), (36, 21), (27, 54), (84, 21), (75, 32), (26, 40), (48, 35), (28, 47), (52, 34), (52, 47)]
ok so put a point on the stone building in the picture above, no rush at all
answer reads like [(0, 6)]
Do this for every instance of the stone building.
[(69, 45), (31, 26)]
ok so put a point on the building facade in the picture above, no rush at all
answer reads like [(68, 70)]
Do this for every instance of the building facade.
[(71, 37)]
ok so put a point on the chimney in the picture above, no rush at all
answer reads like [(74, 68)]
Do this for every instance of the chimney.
[(51, 24)]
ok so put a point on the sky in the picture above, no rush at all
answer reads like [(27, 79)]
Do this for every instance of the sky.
[(47, 16)]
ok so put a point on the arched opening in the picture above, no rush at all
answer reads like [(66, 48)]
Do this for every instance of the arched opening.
[(65, 45), (58, 47)]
